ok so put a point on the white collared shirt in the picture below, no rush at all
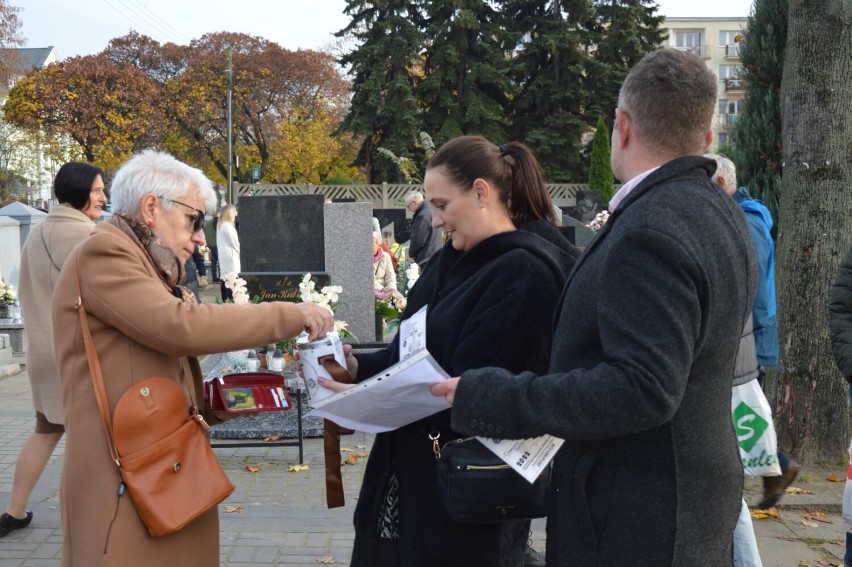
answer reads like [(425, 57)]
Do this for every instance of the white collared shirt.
[(625, 189)]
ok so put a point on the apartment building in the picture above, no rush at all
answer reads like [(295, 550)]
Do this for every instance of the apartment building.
[(25, 152), (715, 41)]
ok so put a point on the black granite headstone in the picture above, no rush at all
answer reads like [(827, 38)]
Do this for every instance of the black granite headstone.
[(395, 216), (282, 233), (281, 287), (588, 205)]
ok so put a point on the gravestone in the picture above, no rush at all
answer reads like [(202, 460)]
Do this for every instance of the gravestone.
[(282, 233), (396, 217), (349, 263), (588, 205), (16, 219), (299, 229), (281, 287), (283, 237), (10, 250), (582, 233)]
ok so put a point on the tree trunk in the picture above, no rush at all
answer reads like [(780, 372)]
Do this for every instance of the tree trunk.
[(811, 405)]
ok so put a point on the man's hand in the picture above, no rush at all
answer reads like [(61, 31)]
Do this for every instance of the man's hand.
[(447, 389), (318, 320)]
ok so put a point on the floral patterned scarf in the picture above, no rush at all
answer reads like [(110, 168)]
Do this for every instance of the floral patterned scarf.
[(169, 268)]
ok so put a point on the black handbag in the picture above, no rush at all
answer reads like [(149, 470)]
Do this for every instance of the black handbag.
[(478, 487)]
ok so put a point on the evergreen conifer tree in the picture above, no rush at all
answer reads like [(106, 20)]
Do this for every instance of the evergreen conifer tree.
[(550, 69), (757, 134), (465, 87), (624, 31), (383, 108), (600, 169)]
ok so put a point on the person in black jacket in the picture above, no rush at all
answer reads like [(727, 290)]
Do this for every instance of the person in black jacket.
[(639, 384), (491, 293), (840, 330), (425, 239)]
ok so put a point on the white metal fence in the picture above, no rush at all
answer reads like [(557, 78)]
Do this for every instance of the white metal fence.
[(383, 195)]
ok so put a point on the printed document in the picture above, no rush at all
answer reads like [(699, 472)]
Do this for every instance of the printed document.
[(398, 396), (527, 456)]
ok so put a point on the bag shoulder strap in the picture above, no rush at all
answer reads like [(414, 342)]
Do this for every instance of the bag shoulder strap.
[(331, 439), (95, 368), (746, 367)]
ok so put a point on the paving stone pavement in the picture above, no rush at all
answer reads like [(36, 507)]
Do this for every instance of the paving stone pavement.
[(282, 518)]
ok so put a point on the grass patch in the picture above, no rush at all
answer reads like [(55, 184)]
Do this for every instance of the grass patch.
[(816, 540)]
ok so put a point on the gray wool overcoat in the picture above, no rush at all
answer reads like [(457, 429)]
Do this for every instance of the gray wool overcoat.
[(639, 384)]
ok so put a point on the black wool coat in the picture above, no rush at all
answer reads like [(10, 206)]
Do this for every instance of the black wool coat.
[(840, 317), (639, 384), (491, 305)]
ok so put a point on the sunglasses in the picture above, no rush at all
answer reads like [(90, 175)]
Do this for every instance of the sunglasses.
[(198, 223)]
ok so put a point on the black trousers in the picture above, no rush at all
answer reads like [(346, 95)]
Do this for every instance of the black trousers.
[(214, 264)]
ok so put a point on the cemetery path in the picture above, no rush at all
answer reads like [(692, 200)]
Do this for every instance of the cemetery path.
[(278, 517)]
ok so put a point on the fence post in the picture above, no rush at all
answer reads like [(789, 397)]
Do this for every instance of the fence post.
[(384, 194)]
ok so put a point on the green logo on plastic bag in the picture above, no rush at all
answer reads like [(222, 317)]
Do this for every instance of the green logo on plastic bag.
[(748, 425)]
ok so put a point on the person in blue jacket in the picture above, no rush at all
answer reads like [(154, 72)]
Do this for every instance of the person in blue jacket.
[(759, 222)]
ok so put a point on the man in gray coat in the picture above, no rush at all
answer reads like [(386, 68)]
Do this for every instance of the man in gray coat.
[(425, 239), (640, 373)]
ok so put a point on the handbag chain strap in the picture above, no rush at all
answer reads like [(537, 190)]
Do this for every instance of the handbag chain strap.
[(98, 378)]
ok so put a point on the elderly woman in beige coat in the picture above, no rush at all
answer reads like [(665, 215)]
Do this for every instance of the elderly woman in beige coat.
[(79, 188), (144, 323)]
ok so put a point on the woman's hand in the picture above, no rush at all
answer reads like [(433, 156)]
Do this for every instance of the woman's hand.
[(351, 362), (318, 320), (447, 389)]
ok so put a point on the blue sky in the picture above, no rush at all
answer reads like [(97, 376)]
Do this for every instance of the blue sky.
[(81, 27)]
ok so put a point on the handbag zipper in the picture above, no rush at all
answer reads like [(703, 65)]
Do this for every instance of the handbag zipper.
[(483, 467)]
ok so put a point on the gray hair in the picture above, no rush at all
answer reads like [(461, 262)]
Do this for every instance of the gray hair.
[(670, 96), (413, 196), (156, 172), (725, 169)]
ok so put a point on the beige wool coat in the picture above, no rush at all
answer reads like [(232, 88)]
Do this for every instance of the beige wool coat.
[(42, 257), (139, 330)]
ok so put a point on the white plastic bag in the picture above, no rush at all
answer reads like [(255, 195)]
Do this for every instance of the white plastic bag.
[(755, 431), (847, 495)]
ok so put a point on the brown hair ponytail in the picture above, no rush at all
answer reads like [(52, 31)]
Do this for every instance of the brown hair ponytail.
[(511, 168)]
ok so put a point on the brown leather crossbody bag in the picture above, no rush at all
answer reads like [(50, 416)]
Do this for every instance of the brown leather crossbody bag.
[(160, 447)]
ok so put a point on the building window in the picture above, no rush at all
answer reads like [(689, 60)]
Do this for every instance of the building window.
[(729, 106), (727, 42), (722, 139), (730, 75), (689, 41), (729, 71)]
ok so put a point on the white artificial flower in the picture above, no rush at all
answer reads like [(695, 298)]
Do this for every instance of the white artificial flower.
[(237, 285), (412, 274), (331, 292)]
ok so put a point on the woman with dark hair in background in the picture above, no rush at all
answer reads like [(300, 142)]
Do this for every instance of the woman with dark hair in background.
[(79, 189), (491, 293)]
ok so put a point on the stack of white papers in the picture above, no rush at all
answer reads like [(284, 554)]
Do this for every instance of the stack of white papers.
[(387, 401), (400, 395)]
